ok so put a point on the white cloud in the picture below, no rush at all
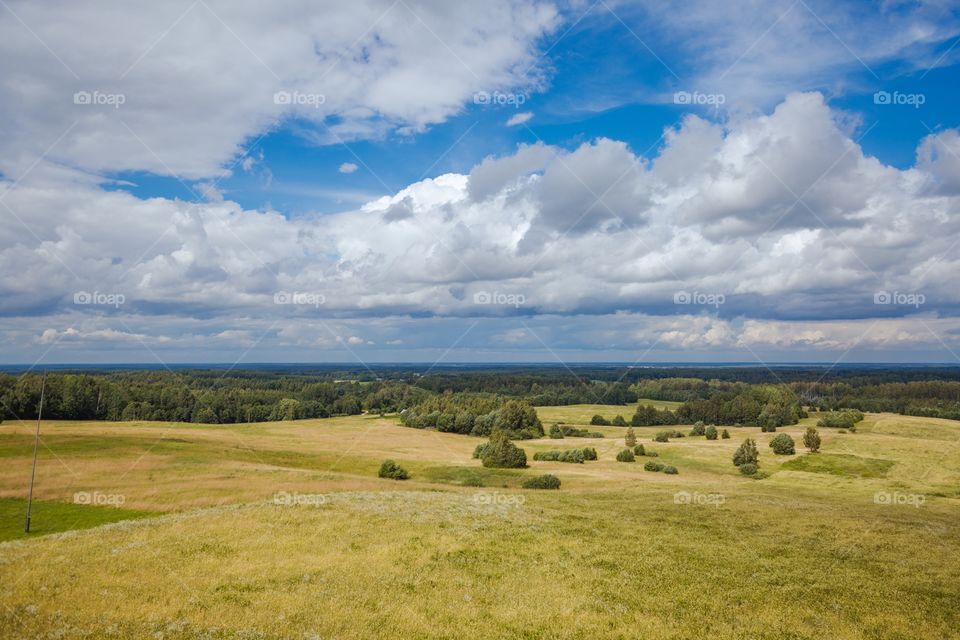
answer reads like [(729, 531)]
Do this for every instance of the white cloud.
[(175, 88), (793, 275), (348, 167), (520, 118), (755, 53)]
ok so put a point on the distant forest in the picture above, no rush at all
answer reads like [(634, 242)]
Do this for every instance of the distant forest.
[(440, 397)]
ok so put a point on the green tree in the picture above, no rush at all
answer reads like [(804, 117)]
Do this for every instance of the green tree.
[(710, 432), (811, 440), (747, 453), (631, 438), (500, 453)]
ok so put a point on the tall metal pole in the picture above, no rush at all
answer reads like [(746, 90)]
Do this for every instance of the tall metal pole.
[(36, 445)]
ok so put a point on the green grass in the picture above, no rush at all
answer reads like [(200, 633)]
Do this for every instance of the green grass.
[(612, 554), (580, 414), (473, 476), (54, 517), (840, 464)]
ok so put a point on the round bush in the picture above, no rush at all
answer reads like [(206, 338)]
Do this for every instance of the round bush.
[(653, 466), (725, 435), (390, 469), (748, 469), (652, 454), (670, 470), (625, 456), (783, 445), (639, 450), (546, 481), (710, 432)]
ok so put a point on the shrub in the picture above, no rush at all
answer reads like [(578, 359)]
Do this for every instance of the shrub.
[(631, 438), (747, 453), (653, 466), (639, 450), (652, 454), (698, 428), (782, 445), (768, 428), (546, 481), (390, 469), (503, 454), (599, 421), (546, 456), (573, 432), (748, 469), (556, 432), (576, 456), (710, 432), (619, 421), (625, 456), (676, 434), (662, 436), (725, 435), (571, 455), (480, 449), (811, 440), (670, 470), (845, 419)]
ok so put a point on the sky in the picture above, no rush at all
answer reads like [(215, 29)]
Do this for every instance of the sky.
[(508, 181)]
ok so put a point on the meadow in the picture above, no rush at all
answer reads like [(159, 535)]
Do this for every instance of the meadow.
[(284, 530)]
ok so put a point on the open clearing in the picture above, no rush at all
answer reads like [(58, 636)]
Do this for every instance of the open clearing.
[(830, 546)]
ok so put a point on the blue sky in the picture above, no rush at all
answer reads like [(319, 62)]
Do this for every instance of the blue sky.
[(602, 81), (819, 173)]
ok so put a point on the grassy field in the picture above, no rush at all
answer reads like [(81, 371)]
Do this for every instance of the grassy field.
[(859, 541), (580, 414)]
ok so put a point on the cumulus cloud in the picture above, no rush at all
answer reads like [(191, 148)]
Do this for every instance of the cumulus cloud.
[(770, 232), (348, 167), (177, 88)]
